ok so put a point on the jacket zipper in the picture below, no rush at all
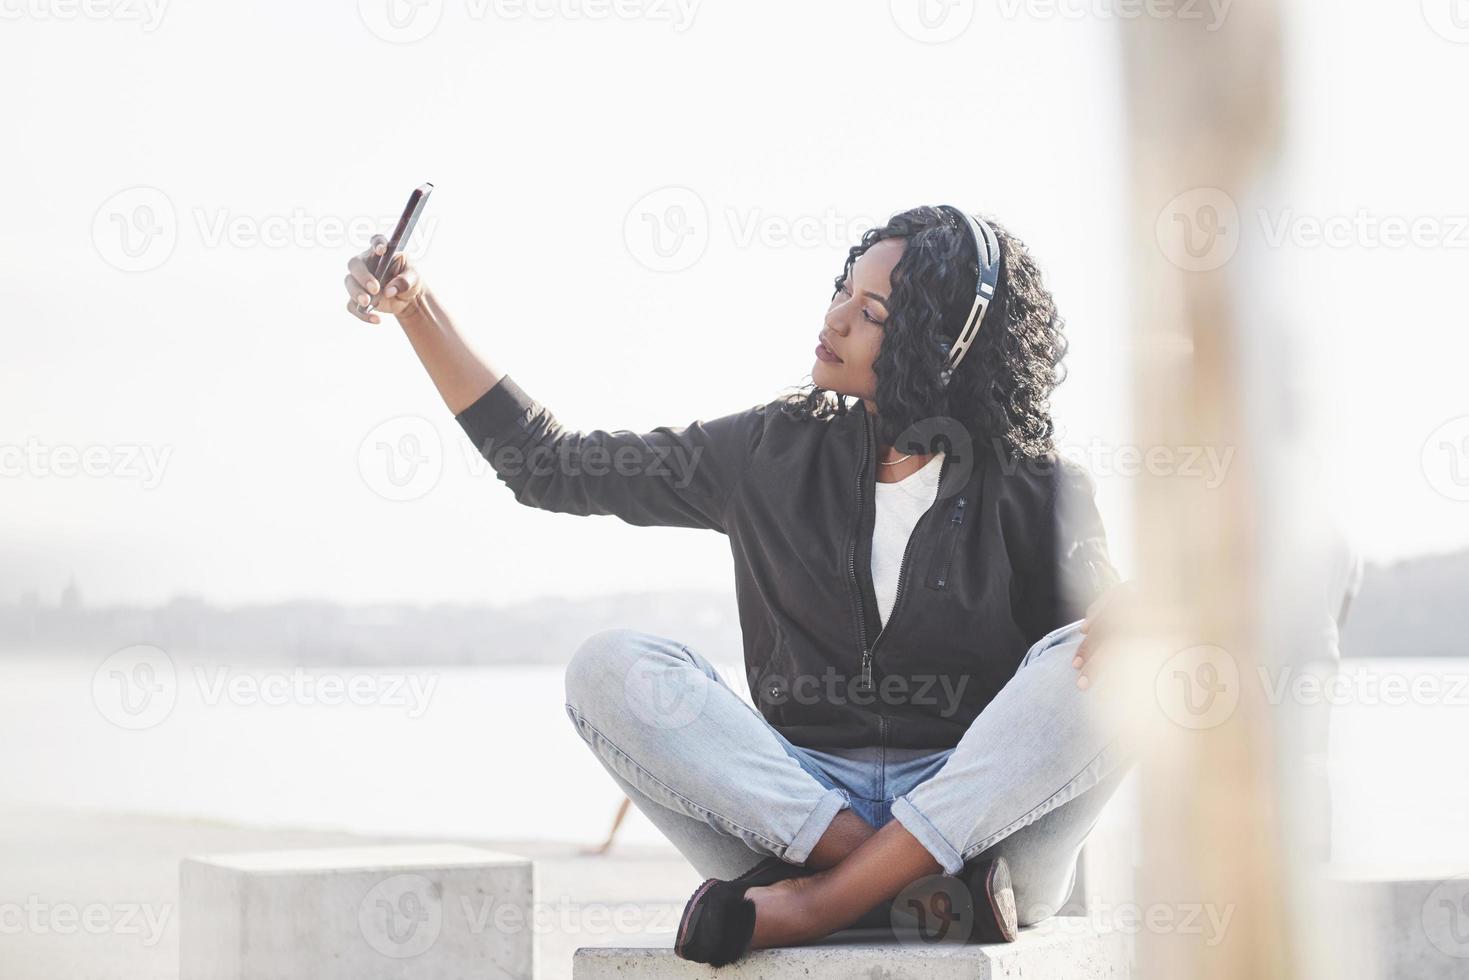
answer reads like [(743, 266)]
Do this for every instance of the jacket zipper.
[(852, 561), (946, 556), (897, 596), (867, 652)]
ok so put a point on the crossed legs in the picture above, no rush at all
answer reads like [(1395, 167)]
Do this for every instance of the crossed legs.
[(727, 789)]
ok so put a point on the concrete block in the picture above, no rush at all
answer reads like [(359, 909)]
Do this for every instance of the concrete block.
[(1380, 923), (1061, 948), (408, 911)]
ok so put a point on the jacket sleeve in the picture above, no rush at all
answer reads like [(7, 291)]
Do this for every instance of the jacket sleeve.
[(1072, 565), (679, 476)]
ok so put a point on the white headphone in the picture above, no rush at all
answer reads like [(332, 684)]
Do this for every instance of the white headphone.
[(987, 247)]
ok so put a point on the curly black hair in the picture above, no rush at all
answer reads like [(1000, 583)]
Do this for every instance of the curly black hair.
[(1001, 390)]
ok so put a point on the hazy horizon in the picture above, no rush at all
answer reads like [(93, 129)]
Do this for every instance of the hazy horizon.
[(266, 408)]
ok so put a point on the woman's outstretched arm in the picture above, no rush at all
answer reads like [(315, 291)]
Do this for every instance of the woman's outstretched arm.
[(458, 372), (673, 476)]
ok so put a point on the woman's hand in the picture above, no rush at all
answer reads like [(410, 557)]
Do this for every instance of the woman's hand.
[(365, 294), (1103, 618)]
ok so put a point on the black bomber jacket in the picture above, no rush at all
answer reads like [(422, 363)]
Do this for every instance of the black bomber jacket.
[(1010, 550)]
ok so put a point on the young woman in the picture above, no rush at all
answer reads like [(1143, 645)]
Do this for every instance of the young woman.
[(912, 562)]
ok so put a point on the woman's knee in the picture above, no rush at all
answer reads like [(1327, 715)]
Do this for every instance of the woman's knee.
[(621, 672), (600, 664)]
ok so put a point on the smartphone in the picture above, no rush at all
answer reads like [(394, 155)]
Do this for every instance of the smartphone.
[(399, 241)]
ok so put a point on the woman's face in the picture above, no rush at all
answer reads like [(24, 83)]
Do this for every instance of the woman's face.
[(854, 324)]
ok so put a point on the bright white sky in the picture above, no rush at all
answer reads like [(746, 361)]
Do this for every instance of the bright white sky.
[(543, 135)]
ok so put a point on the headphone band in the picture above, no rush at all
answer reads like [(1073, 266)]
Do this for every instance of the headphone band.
[(987, 248)]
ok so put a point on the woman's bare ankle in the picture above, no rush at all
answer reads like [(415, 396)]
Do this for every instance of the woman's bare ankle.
[(844, 834)]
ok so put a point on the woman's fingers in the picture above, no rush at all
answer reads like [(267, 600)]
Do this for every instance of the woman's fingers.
[(402, 285), (390, 293), (356, 291), (358, 270), (366, 316)]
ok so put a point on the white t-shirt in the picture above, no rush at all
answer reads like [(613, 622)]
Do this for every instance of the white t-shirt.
[(899, 506)]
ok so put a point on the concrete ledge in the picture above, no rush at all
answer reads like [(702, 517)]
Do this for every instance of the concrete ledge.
[(1402, 923), (1061, 948), (410, 911)]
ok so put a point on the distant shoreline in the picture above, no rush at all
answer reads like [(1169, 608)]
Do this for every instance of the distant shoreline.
[(1405, 609)]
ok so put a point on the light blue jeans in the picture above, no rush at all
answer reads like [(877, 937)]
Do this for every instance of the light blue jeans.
[(1028, 780)]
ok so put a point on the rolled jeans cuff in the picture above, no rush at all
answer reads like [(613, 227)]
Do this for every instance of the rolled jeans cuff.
[(928, 835), (832, 802)]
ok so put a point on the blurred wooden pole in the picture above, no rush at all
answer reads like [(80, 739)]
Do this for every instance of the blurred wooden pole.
[(1204, 108)]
